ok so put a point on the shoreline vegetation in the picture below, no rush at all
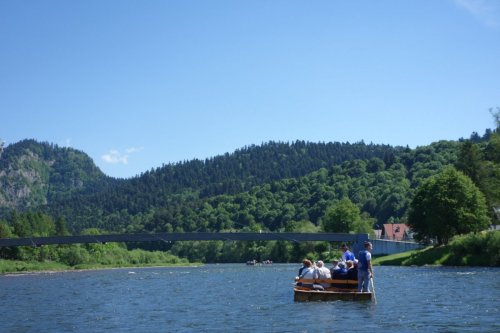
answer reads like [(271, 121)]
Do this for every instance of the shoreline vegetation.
[(476, 249), (16, 267), (88, 256)]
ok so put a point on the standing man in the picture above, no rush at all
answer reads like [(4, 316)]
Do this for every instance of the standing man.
[(365, 269), (347, 255)]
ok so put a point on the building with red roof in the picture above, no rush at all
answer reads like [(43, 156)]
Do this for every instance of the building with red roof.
[(396, 231)]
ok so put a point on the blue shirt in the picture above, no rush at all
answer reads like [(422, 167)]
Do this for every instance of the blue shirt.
[(348, 255), (363, 258)]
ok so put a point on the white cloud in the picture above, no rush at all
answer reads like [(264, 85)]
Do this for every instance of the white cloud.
[(487, 11), (116, 157), (133, 150)]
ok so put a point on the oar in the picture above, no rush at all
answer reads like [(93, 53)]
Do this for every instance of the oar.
[(373, 290)]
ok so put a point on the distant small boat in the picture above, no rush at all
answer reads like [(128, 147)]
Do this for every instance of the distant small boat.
[(255, 262), (337, 289)]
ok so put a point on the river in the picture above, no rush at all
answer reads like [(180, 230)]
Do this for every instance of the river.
[(240, 298)]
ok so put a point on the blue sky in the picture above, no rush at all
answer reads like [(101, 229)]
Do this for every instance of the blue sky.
[(138, 84)]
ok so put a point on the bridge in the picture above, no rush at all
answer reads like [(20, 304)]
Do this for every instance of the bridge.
[(356, 240), (186, 236)]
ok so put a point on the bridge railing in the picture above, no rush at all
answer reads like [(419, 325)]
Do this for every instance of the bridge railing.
[(187, 236)]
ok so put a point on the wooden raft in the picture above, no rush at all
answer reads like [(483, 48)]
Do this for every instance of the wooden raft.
[(336, 289)]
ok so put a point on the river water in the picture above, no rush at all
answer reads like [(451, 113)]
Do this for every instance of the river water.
[(240, 298)]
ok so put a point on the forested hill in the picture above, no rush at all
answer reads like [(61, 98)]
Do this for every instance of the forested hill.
[(33, 174), (39, 174), (226, 174), (272, 186), (253, 165)]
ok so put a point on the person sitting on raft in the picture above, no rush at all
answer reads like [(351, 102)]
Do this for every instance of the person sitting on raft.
[(303, 267), (306, 272), (341, 272), (321, 272), (352, 271), (335, 266)]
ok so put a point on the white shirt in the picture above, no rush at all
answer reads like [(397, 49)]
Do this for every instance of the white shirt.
[(322, 273), (307, 273)]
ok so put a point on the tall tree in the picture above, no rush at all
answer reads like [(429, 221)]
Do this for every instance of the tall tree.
[(5, 231), (470, 161), (447, 204), (61, 228), (341, 217)]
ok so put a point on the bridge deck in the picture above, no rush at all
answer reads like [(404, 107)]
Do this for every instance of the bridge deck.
[(187, 236)]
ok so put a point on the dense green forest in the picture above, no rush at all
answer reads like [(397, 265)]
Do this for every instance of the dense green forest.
[(177, 185), (381, 187), (275, 186)]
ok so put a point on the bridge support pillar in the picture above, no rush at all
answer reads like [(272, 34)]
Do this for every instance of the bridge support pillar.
[(359, 243)]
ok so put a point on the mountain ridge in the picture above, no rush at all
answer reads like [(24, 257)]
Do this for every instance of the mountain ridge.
[(34, 173), (65, 182)]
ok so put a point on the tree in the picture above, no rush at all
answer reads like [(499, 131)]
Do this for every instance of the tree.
[(61, 228), (7, 252), (447, 204), (365, 225), (492, 150), (5, 231), (341, 217), (375, 164), (481, 163), (301, 226), (470, 161)]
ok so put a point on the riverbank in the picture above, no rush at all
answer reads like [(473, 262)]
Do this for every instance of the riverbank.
[(481, 249), (22, 267), (78, 256)]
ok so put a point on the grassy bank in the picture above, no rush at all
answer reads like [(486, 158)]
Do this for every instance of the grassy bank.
[(15, 266), (482, 249), (90, 256)]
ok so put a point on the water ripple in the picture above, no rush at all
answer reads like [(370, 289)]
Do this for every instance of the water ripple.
[(239, 298)]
